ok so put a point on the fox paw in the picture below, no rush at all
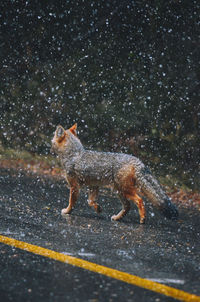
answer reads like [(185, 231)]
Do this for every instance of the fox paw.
[(142, 220), (65, 211), (115, 218)]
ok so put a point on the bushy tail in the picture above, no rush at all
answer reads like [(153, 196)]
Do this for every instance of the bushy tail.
[(153, 191)]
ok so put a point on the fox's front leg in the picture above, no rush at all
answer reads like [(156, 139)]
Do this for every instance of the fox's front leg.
[(74, 192), (92, 195)]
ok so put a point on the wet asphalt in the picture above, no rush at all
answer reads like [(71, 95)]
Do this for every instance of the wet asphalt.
[(161, 250)]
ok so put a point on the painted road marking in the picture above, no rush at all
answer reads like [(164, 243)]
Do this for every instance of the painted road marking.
[(100, 269)]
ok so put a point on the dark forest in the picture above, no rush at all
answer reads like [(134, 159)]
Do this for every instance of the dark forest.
[(127, 72)]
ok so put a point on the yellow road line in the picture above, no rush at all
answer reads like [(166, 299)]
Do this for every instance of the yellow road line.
[(100, 269)]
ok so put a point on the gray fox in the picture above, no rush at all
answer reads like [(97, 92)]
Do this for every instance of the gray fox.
[(124, 173)]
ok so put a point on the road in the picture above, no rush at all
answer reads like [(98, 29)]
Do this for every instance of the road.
[(162, 251)]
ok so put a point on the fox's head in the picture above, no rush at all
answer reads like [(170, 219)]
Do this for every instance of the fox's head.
[(65, 140)]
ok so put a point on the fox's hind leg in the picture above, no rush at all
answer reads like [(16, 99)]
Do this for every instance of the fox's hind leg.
[(125, 207), (126, 181), (92, 195), (139, 202), (74, 192)]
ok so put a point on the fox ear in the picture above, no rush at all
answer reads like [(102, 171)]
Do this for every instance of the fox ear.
[(60, 132), (73, 129)]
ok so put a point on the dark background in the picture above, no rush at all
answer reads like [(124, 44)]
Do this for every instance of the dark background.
[(126, 71)]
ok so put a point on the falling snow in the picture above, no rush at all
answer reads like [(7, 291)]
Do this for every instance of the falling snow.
[(126, 71)]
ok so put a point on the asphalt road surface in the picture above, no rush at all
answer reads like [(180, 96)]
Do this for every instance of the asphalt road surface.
[(165, 252)]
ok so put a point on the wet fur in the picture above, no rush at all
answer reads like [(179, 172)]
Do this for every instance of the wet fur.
[(124, 173)]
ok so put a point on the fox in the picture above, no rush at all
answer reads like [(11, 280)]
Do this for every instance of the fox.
[(123, 173)]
